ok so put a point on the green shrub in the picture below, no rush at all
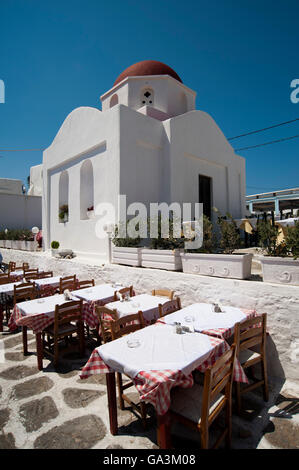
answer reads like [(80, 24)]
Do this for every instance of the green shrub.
[(292, 240), (209, 241), (160, 243), (229, 234), (54, 245), (267, 236), (63, 210), (126, 241)]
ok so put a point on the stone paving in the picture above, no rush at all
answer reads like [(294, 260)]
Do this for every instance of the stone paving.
[(55, 409)]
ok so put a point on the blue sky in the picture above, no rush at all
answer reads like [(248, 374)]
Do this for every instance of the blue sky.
[(240, 57)]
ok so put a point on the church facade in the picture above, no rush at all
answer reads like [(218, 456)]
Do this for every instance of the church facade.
[(148, 143)]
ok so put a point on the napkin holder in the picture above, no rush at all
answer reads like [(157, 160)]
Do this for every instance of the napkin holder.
[(217, 309), (67, 295)]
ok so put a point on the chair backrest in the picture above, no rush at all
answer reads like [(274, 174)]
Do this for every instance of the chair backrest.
[(83, 284), (5, 279), (24, 291), (11, 266), (125, 325), (31, 275), (164, 293), (45, 274), (105, 315), (251, 333), (123, 292), (25, 265), (169, 307), (218, 380), (66, 313), (67, 282), (28, 272)]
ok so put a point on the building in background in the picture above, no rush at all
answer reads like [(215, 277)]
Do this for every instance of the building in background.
[(17, 209), (148, 143), (283, 203)]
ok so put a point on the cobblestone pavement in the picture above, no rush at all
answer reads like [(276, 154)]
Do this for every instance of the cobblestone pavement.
[(53, 409)]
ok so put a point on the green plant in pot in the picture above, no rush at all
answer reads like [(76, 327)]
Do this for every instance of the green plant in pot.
[(292, 240), (64, 213), (126, 241), (267, 236), (54, 245), (229, 235), (209, 240), (161, 242)]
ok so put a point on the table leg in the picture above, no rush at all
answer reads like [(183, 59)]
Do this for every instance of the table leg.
[(25, 342), (163, 431), (1, 318), (39, 351), (111, 392)]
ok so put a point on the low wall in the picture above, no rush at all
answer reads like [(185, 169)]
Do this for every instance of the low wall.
[(279, 301), (20, 211)]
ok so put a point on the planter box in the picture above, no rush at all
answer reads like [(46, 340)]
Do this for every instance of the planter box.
[(218, 265), (31, 245), (8, 243), (162, 259), (90, 214), (130, 256), (22, 245), (280, 270), (2, 244)]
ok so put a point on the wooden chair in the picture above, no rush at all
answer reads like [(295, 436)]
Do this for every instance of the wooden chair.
[(104, 315), (123, 292), (122, 327), (84, 284), (11, 266), (248, 334), (68, 282), (30, 273), (169, 307), (25, 266), (5, 279), (163, 293), (45, 274), (65, 316), (22, 292), (197, 407)]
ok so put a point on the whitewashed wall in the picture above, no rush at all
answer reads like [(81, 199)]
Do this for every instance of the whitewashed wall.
[(20, 211), (280, 302)]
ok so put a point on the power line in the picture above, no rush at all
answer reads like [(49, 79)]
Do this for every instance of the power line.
[(264, 129), (267, 143), (22, 150)]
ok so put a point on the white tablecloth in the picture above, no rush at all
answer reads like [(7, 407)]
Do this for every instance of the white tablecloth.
[(205, 318), (145, 302), (160, 349), (99, 292), (8, 289), (44, 306), (51, 281)]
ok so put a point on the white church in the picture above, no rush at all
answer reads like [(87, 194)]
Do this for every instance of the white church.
[(148, 143)]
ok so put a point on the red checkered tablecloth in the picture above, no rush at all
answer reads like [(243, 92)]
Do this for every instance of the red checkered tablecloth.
[(39, 321), (154, 387)]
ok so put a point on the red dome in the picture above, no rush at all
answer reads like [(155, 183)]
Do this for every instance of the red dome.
[(147, 67)]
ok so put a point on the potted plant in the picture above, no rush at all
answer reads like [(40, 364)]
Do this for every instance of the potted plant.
[(90, 212), (164, 253), (280, 264), (64, 213), (125, 250), (216, 257), (54, 246)]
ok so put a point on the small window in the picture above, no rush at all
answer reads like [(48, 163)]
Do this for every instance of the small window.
[(147, 97), (113, 101)]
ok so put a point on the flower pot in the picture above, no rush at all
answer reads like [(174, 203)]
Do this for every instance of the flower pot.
[(236, 266), (54, 251), (280, 270), (130, 256), (162, 259), (31, 245), (2, 244), (22, 245), (8, 243), (90, 214), (15, 244)]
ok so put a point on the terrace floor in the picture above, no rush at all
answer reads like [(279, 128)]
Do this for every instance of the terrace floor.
[(54, 409)]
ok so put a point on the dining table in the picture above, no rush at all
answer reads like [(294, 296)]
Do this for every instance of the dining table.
[(38, 314), (148, 304), (156, 358), (201, 317)]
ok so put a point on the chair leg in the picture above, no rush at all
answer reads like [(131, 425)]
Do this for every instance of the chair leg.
[(204, 437), (56, 352), (120, 391), (265, 378), (238, 397), (81, 339), (143, 414), (228, 417)]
